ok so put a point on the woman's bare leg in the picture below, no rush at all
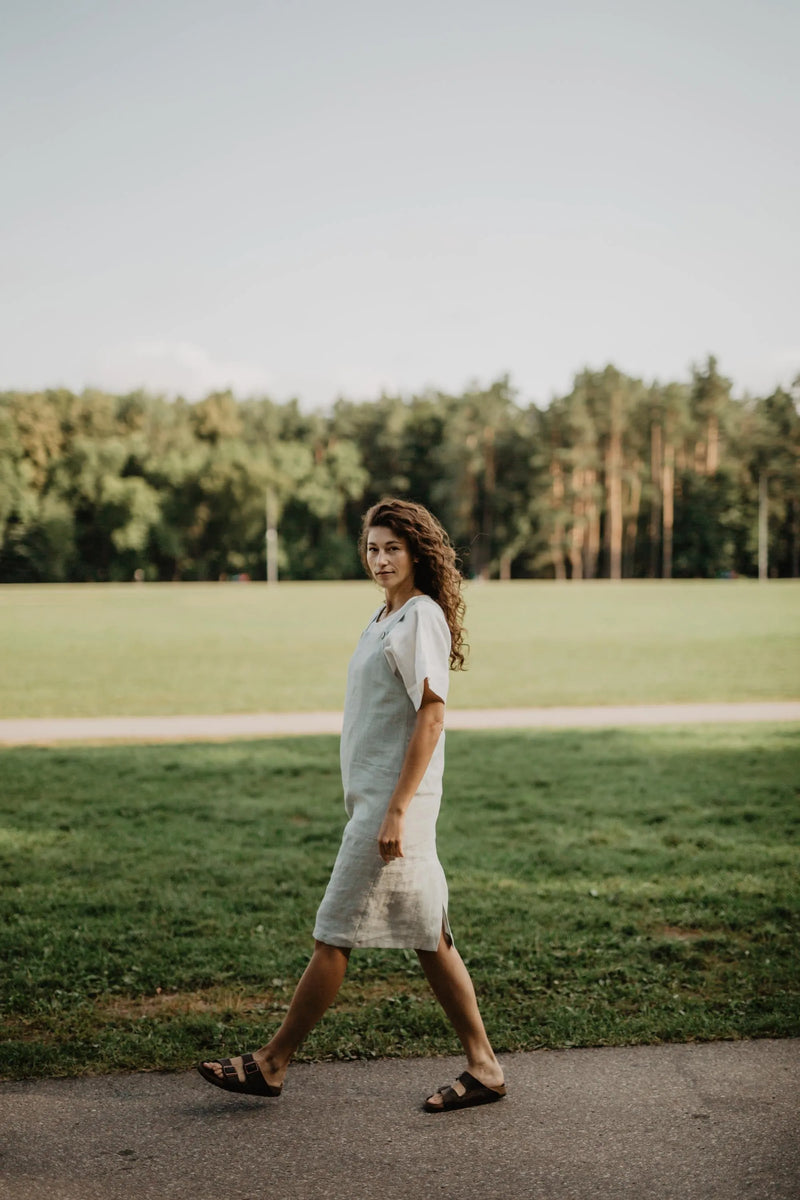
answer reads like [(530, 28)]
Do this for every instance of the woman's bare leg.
[(450, 980), (313, 995)]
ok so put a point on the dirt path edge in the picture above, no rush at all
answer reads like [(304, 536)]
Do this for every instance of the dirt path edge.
[(49, 730)]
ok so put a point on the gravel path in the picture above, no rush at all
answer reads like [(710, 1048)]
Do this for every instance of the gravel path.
[(45, 730)]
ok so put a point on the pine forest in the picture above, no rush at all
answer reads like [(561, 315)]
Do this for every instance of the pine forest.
[(616, 479)]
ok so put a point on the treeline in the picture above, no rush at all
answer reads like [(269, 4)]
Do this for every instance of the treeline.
[(616, 479)]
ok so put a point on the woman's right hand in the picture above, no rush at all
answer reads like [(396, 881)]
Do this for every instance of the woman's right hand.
[(390, 836)]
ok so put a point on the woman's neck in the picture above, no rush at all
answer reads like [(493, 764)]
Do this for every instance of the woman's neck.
[(395, 599)]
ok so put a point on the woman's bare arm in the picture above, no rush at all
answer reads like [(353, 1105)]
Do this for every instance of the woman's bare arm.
[(427, 731)]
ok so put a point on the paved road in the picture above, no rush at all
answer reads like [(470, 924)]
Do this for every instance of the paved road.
[(93, 729), (692, 1122)]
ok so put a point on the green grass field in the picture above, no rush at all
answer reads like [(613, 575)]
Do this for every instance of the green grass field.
[(606, 887), (89, 650)]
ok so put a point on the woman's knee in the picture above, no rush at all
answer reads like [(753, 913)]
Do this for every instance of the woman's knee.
[(444, 949), (326, 950)]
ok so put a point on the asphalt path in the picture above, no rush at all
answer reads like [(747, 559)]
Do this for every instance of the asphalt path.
[(47, 730), (713, 1121)]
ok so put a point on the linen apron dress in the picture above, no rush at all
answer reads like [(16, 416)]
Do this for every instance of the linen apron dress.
[(402, 903)]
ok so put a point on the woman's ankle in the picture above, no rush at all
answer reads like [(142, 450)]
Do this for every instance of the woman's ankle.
[(275, 1063), (484, 1065)]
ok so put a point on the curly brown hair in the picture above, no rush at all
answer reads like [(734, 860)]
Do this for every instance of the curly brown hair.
[(435, 570)]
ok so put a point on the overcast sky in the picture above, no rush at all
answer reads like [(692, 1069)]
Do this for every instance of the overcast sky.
[(314, 197)]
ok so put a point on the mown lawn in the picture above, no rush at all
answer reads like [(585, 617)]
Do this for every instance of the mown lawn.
[(89, 650), (606, 887)]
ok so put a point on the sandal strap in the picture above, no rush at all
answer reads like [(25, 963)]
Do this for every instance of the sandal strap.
[(470, 1082), (451, 1096), (250, 1065)]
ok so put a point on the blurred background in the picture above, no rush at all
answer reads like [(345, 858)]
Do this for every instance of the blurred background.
[(262, 263)]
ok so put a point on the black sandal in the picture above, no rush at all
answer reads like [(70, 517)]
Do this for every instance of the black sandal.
[(475, 1093), (253, 1084)]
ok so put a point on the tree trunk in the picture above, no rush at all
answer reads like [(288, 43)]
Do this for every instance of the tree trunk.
[(557, 536), (655, 504), (668, 493), (614, 492), (763, 526), (489, 483), (632, 523), (272, 537), (577, 534), (712, 445), (505, 566), (794, 543), (467, 507), (592, 528)]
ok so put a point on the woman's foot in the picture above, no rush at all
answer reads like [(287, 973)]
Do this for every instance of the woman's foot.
[(255, 1073), (484, 1086)]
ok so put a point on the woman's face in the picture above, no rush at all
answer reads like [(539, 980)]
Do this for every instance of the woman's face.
[(389, 558)]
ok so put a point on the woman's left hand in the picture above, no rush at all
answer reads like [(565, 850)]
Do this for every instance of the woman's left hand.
[(390, 837)]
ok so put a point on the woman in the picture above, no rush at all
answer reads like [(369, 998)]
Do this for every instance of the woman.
[(387, 887)]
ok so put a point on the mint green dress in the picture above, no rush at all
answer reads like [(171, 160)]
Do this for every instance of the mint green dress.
[(403, 903)]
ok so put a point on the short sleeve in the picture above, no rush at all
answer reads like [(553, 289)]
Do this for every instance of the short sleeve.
[(418, 648)]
